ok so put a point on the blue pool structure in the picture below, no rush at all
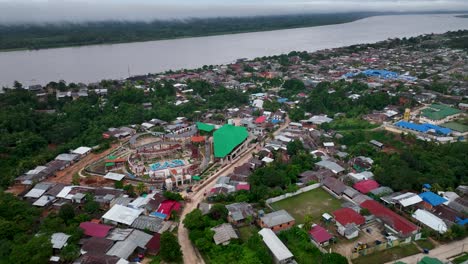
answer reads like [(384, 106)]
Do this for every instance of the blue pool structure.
[(166, 165)]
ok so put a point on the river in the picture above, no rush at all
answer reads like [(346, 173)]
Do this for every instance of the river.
[(93, 63)]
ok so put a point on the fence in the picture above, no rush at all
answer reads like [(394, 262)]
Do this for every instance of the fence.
[(381, 247), (288, 195)]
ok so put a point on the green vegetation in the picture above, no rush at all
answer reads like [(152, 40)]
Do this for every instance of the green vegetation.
[(461, 259), (341, 124), (251, 251), (170, 249), (38, 36), (388, 255), (320, 100), (298, 241), (425, 243), (314, 202)]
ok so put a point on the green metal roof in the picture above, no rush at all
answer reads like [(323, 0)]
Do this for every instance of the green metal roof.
[(438, 111), (456, 126), (205, 127), (112, 157), (428, 260), (196, 178), (108, 164), (227, 138)]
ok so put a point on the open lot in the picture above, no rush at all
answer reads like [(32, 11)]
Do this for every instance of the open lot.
[(314, 203), (391, 254), (246, 232)]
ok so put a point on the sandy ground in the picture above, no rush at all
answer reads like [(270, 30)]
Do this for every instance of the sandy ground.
[(190, 253)]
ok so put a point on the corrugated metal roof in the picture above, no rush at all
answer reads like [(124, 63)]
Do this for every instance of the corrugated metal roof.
[(275, 245), (227, 138)]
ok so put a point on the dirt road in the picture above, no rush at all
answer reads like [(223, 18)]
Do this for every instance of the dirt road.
[(443, 252), (190, 253)]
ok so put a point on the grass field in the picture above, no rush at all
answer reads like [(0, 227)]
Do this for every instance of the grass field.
[(388, 255), (424, 243), (461, 259), (315, 203), (246, 232)]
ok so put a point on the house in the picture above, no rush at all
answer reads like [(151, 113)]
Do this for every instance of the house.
[(430, 220), (392, 221), (334, 167), (316, 176), (334, 185), (238, 213), (126, 247), (280, 253), (154, 245), (96, 245), (431, 199), (402, 199), (59, 240), (119, 214), (82, 151), (320, 235), (366, 186), (95, 229), (347, 220), (166, 208), (357, 177), (277, 221), (224, 233)]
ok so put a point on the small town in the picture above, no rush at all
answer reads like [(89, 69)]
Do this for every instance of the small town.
[(298, 158)]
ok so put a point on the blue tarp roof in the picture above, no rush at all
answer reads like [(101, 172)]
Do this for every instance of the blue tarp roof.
[(462, 221), (432, 198), (282, 100), (424, 128), (159, 215), (427, 186)]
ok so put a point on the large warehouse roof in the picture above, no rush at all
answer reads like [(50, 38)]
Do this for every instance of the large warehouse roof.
[(205, 127), (438, 111), (227, 138)]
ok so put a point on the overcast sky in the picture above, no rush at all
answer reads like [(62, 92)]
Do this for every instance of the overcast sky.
[(19, 11)]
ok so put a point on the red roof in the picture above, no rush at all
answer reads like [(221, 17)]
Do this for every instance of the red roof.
[(95, 230), (166, 207), (319, 234), (391, 218), (346, 216), (198, 139), (243, 187), (366, 186), (154, 245), (260, 119)]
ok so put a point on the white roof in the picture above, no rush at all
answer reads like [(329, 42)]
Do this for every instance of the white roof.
[(267, 160), (283, 138), (59, 240), (147, 125), (331, 166), (81, 150), (319, 119), (35, 193), (43, 201), (328, 144), (361, 176), (327, 216), (430, 220), (408, 199), (295, 124), (122, 214), (114, 176), (275, 245), (66, 157)]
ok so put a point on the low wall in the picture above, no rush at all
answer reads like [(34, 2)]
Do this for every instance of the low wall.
[(288, 195)]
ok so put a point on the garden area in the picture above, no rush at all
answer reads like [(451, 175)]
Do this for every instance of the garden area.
[(388, 255), (314, 203)]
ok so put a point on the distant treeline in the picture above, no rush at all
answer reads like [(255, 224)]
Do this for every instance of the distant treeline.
[(39, 36)]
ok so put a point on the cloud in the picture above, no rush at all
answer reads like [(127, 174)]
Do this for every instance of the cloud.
[(24, 11)]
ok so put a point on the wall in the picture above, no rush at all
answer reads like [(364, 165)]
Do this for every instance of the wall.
[(287, 195)]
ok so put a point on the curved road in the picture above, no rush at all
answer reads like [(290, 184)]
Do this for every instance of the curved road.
[(190, 252)]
